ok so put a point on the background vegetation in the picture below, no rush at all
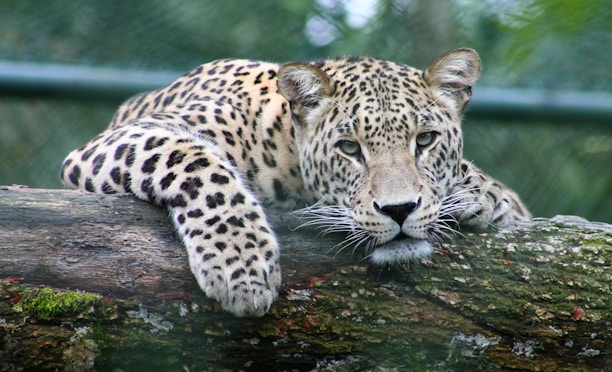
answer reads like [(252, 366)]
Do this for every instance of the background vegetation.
[(544, 44)]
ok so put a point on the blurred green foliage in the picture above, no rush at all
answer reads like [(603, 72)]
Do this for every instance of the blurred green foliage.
[(545, 44)]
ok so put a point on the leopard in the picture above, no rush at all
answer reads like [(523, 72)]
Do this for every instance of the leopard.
[(356, 145)]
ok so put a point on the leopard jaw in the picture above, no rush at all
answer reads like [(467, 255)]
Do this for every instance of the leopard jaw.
[(396, 251)]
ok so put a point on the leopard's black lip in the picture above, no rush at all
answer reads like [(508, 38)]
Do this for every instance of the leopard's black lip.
[(401, 236)]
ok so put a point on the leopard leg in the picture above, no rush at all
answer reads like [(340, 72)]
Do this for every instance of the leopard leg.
[(481, 201), (232, 250)]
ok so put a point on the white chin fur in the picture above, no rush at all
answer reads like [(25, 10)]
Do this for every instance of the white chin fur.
[(397, 251)]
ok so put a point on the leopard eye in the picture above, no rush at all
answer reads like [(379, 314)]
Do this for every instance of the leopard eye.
[(350, 148), (425, 139)]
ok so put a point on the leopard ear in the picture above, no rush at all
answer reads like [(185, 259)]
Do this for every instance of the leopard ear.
[(452, 76), (303, 85)]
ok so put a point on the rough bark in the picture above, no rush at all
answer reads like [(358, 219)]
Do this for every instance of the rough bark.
[(535, 296)]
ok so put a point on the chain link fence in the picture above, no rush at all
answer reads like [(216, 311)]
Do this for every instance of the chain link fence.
[(557, 167)]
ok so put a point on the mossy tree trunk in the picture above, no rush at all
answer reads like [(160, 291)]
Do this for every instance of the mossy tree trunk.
[(535, 296)]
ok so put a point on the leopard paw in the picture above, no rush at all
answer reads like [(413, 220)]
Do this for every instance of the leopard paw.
[(483, 202)]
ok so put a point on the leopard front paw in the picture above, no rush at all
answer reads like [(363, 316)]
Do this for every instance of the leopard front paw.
[(481, 202), (483, 210), (239, 268)]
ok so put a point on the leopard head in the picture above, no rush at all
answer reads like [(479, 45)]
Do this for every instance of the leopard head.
[(380, 146)]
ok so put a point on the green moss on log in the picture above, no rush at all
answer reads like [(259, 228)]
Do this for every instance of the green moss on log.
[(45, 303)]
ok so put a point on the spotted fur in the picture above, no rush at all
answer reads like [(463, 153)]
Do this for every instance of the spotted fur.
[(372, 148)]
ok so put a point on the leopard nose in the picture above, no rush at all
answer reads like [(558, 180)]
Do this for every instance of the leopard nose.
[(398, 212)]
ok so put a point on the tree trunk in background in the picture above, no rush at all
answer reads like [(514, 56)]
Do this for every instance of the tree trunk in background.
[(535, 296)]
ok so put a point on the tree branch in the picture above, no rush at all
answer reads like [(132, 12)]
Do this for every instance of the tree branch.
[(536, 295)]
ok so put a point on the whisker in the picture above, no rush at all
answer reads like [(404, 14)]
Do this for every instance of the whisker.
[(343, 244), (355, 239)]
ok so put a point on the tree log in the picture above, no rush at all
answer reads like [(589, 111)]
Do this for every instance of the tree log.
[(534, 296)]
